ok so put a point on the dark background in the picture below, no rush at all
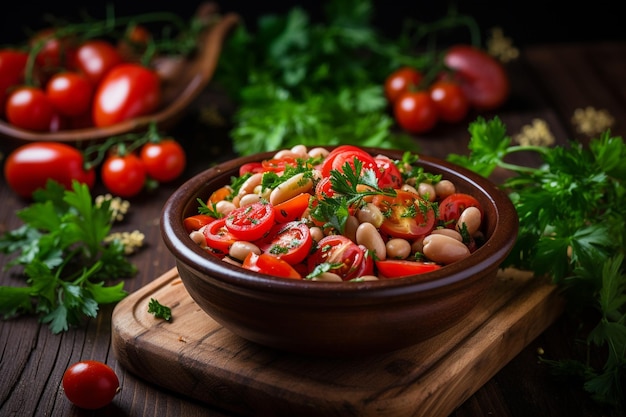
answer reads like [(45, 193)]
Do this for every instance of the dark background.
[(525, 22)]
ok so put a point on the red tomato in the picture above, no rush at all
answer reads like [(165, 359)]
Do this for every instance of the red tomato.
[(134, 43), (290, 242), (415, 112), (291, 209), (397, 268), (449, 98), (54, 52), (278, 165), (70, 93), (126, 91), (197, 221), (270, 265), (95, 58), (30, 166), (347, 259), (390, 176), (324, 188), (29, 108), (218, 237), (251, 222), (482, 78), (164, 160), (401, 80), (451, 207), (250, 167), (123, 175), (12, 65), (407, 215), (338, 157), (90, 384)]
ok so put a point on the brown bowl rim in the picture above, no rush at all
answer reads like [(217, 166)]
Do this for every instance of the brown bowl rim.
[(488, 257)]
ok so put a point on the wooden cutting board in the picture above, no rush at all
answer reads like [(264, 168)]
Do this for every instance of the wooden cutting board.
[(195, 356)]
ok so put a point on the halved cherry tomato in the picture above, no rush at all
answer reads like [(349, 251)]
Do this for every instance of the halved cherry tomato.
[(250, 167), (251, 222), (389, 174), (128, 90), (197, 221), (291, 209), (218, 237), (346, 258), (324, 188), (401, 80), (270, 265), (415, 112), (398, 268), (343, 154), (407, 215), (451, 207), (278, 164), (482, 77), (290, 242)]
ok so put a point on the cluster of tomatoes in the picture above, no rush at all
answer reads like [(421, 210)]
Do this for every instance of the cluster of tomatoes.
[(469, 79), (59, 82)]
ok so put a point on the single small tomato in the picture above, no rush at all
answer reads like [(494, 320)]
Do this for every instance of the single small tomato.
[(251, 222), (95, 58), (289, 241), (128, 90), (415, 112), (30, 166), (401, 80), (164, 160), (29, 108), (123, 175), (90, 384), (346, 258), (389, 174), (12, 65), (450, 100), (70, 93)]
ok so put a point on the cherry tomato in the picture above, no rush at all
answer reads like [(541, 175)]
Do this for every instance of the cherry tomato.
[(70, 93), (12, 65), (347, 259), (55, 52), (127, 91), (482, 78), (451, 207), (123, 175), (279, 164), (401, 80), (29, 108), (251, 222), (90, 384), (449, 98), (398, 268), (270, 265), (415, 112), (291, 209), (343, 154), (29, 167), (407, 215), (164, 160), (197, 221), (250, 167), (218, 237), (289, 241), (324, 188), (95, 58), (390, 176)]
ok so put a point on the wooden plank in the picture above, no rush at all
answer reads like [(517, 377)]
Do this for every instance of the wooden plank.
[(197, 357)]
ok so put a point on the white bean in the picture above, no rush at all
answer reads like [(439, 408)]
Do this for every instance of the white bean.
[(470, 217), (444, 188), (291, 188), (368, 236), (248, 199), (398, 248), (427, 191), (350, 229), (370, 213), (240, 249), (224, 207), (198, 238), (316, 233), (444, 249), (448, 232), (328, 277), (248, 185), (300, 151), (319, 151)]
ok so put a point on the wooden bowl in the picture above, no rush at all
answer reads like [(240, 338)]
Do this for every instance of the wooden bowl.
[(337, 319), (184, 79)]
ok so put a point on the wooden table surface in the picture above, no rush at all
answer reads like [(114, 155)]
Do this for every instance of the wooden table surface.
[(550, 83)]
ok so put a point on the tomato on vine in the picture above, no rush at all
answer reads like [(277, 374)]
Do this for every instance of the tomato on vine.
[(12, 65), (90, 384), (450, 100), (415, 111), (70, 93), (29, 108), (401, 80), (164, 160), (123, 174), (95, 58)]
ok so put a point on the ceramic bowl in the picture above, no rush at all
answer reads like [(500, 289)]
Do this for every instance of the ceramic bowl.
[(184, 78), (338, 318)]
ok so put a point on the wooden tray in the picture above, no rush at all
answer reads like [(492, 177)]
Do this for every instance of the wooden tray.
[(195, 356)]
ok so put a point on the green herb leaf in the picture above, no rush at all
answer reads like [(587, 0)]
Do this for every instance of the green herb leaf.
[(159, 310)]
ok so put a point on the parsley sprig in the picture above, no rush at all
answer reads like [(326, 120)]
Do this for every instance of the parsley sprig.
[(572, 212), (65, 259)]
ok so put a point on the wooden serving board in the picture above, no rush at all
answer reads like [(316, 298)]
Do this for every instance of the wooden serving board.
[(195, 356)]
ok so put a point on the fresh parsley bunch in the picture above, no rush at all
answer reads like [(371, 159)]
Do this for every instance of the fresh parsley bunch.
[(572, 212), (61, 247)]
